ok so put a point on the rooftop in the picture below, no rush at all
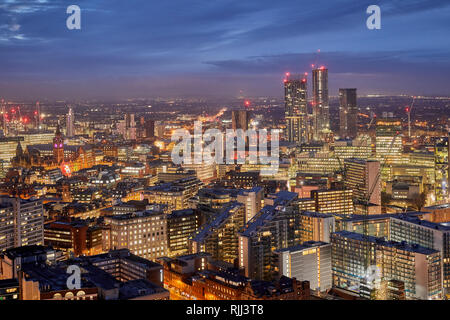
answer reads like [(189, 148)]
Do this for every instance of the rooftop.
[(382, 242), (217, 222), (445, 226), (305, 245)]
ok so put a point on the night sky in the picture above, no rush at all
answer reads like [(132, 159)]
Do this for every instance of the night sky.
[(148, 48)]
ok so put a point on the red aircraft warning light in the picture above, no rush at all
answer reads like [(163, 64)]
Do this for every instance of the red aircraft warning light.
[(247, 103)]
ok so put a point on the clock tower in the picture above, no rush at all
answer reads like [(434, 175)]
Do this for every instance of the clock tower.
[(58, 146)]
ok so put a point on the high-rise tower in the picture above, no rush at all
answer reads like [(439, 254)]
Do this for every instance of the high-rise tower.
[(69, 123), (296, 113), (348, 113), (239, 119), (321, 108)]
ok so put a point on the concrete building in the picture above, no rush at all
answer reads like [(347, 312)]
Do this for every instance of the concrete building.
[(144, 233), (175, 194), (333, 201), (219, 237), (356, 257), (310, 261), (28, 221), (426, 234), (315, 226), (181, 225), (252, 199), (363, 177), (276, 226)]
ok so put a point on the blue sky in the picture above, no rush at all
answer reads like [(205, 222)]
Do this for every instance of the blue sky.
[(140, 48)]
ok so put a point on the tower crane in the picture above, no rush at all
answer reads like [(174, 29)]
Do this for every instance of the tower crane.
[(408, 111), (361, 141)]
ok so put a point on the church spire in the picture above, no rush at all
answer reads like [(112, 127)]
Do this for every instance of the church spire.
[(58, 130), (19, 150)]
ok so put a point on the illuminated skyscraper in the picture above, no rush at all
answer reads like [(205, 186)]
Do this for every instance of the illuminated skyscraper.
[(348, 114), (69, 123), (321, 108), (295, 98)]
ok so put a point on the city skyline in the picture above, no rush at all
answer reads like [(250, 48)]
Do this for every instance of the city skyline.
[(219, 49), (224, 150)]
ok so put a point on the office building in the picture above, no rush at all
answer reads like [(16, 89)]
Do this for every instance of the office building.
[(357, 148), (310, 261), (175, 194), (276, 226), (219, 237), (426, 234), (315, 226), (144, 233), (355, 257), (376, 225), (252, 199), (28, 221), (181, 225), (7, 226), (126, 266), (12, 260), (388, 141), (363, 177), (348, 114), (74, 238), (333, 201)]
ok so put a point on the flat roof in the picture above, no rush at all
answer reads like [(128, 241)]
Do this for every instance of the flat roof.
[(381, 241), (303, 246)]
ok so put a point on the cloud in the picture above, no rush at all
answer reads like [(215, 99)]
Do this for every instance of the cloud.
[(339, 62), (233, 41)]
